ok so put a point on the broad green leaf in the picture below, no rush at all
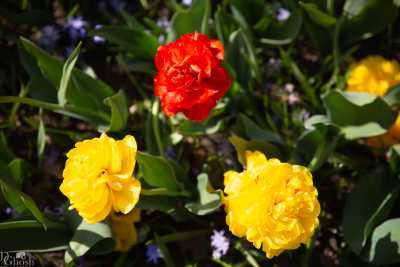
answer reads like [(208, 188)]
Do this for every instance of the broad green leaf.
[(21, 201), (385, 243), (29, 235), (316, 145), (241, 56), (39, 87), (138, 42), (157, 171), (167, 204), (358, 23), (358, 114), (319, 17), (281, 33), (85, 91), (242, 145), (394, 158), (66, 75), (194, 19), (119, 111), (208, 201), (253, 131), (19, 169), (87, 237), (190, 128), (6, 153), (252, 10), (318, 36), (392, 96), (367, 206), (138, 66)]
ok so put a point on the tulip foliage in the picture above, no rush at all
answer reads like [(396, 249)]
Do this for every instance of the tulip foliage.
[(200, 133)]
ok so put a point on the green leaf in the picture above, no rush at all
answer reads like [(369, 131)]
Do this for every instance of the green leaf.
[(190, 128), (252, 10), (321, 18), (194, 19), (358, 114), (20, 201), (253, 131), (41, 140), (157, 172), (29, 235), (89, 237), (281, 33), (208, 202), (139, 66), (66, 75), (242, 146), (358, 23), (241, 56), (394, 158), (392, 96), (6, 153), (19, 169), (367, 206), (224, 25), (39, 87), (85, 91), (136, 41), (316, 145), (119, 111), (385, 243)]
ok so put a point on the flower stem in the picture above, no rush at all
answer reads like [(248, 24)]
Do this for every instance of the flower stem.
[(250, 259), (156, 127)]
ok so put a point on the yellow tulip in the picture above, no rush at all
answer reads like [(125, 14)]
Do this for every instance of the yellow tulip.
[(273, 204), (98, 177)]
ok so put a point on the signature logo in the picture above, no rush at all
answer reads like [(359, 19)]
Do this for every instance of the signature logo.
[(16, 259)]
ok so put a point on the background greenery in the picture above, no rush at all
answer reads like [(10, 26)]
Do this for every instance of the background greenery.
[(286, 100)]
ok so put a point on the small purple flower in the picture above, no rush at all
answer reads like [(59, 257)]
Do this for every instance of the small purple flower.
[(98, 39), (293, 99), (187, 2), (170, 153), (303, 115), (273, 65), (11, 213), (219, 243), (153, 254), (68, 51), (282, 14), (49, 35), (288, 87), (164, 21), (76, 28)]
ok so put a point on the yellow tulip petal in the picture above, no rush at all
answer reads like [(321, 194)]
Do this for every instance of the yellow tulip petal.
[(126, 199)]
